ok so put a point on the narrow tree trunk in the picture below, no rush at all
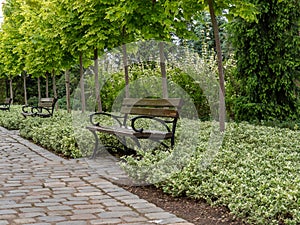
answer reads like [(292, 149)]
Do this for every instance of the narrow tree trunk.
[(7, 87), (68, 99), (54, 87), (125, 63), (82, 85), (54, 84), (47, 85), (11, 93), (25, 88), (39, 88), (97, 87), (222, 108), (163, 70)]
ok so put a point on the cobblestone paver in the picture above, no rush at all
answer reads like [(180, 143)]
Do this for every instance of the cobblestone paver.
[(38, 187)]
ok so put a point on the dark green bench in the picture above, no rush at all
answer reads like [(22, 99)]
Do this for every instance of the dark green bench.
[(45, 108), (162, 111), (6, 104)]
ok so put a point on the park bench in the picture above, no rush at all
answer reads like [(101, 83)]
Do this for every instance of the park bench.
[(6, 104), (165, 112), (45, 108)]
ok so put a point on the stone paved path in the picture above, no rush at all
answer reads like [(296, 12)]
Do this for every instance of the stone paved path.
[(38, 187)]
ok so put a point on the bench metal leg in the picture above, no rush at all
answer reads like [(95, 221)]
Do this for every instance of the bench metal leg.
[(96, 144), (126, 149), (172, 141), (161, 142), (136, 141)]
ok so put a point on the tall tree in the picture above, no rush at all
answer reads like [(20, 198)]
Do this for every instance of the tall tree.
[(39, 88), (63, 39), (222, 109), (25, 87), (234, 8), (97, 86), (97, 33), (148, 20), (73, 30), (54, 86), (268, 61), (33, 49), (67, 79), (11, 52)]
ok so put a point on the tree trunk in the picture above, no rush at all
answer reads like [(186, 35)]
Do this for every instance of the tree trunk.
[(97, 87), (68, 99), (222, 108), (125, 62), (25, 88), (54, 87), (163, 70), (54, 84), (11, 93), (39, 88), (7, 87), (47, 85), (82, 85)]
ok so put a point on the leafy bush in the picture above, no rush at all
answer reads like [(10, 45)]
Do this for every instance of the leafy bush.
[(55, 133), (46, 133), (11, 119), (33, 101), (112, 88), (268, 62), (255, 173), (62, 133)]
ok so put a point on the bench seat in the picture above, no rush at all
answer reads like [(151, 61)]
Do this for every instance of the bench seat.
[(128, 131)]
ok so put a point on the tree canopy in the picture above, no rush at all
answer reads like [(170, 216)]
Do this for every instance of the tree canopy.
[(38, 37)]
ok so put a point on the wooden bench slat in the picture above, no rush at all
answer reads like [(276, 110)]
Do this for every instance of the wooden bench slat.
[(46, 99), (152, 134), (157, 112), (45, 104), (172, 102)]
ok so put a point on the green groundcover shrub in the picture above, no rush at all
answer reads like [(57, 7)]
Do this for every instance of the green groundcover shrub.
[(56, 133), (255, 172), (11, 119)]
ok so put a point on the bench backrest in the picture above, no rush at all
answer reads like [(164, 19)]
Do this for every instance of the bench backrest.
[(152, 107), (47, 103)]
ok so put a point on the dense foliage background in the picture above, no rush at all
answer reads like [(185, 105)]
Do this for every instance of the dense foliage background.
[(262, 36), (267, 53)]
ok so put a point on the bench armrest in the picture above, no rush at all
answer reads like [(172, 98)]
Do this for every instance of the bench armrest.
[(116, 118), (140, 130), (40, 109), (26, 108)]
